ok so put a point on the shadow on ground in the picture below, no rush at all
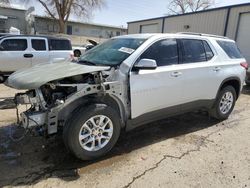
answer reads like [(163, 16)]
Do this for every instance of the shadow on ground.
[(35, 158), (246, 90)]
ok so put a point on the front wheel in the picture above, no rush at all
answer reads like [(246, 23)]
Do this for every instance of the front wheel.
[(92, 132), (224, 103)]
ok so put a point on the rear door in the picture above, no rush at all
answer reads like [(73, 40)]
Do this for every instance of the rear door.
[(200, 83), (39, 50), (16, 54), (157, 90), (60, 49)]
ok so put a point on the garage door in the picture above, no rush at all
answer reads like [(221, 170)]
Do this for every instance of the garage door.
[(243, 35), (151, 28)]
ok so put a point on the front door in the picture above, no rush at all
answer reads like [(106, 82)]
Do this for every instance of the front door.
[(159, 89), (15, 54)]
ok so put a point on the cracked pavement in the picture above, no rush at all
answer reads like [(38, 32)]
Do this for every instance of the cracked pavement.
[(190, 150)]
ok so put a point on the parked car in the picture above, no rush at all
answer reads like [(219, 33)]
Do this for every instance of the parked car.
[(23, 51), (82, 49), (128, 81), (248, 78)]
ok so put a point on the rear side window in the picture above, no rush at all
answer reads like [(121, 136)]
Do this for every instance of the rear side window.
[(193, 51), (164, 52), (209, 52), (60, 44), (230, 48), (38, 44), (14, 44)]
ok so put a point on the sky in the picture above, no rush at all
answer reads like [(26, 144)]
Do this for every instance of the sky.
[(119, 12)]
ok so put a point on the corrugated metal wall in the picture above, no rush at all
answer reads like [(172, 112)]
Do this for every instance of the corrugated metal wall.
[(135, 27), (211, 21), (234, 20)]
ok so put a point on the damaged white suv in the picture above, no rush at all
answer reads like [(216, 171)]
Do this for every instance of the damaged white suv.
[(129, 81)]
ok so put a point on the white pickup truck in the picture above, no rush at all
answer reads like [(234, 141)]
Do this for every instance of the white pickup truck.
[(23, 51)]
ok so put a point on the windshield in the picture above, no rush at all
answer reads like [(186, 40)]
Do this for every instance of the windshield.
[(112, 52)]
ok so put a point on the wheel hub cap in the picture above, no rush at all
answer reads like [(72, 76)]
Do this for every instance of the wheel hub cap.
[(95, 133), (226, 102)]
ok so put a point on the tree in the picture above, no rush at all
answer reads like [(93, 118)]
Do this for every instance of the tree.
[(184, 6), (60, 10), (4, 2)]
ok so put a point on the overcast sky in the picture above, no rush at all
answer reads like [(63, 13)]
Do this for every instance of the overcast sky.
[(119, 12)]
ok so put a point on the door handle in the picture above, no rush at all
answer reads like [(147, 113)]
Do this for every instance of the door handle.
[(216, 69), (176, 74), (28, 55)]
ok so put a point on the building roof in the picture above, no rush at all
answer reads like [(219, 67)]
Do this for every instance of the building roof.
[(14, 7), (86, 23), (189, 13), (8, 35)]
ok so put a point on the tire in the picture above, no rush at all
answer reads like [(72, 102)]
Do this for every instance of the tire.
[(80, 122), (247, 83), (2, 79), (77, 53), (217, 111)]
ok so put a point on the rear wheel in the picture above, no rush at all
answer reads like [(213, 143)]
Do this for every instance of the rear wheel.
[(77, 53), (224, 103), (92, 132), (2, 79)]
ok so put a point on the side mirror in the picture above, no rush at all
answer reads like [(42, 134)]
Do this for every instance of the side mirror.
[(145, 64), (1, 48)]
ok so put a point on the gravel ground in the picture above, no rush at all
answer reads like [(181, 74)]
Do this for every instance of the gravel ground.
[(191, 150)]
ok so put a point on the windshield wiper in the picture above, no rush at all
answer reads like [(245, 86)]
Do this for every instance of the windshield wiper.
[(86, 62)]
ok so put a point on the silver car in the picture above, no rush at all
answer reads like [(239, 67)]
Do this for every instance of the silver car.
[(128, 81)]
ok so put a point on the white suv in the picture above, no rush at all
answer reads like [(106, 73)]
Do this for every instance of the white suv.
[(128, 81), (23, 51)]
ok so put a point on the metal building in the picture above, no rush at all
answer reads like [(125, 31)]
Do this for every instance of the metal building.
[(231, 21)]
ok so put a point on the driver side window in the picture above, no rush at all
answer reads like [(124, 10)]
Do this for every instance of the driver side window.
[(164, 52)]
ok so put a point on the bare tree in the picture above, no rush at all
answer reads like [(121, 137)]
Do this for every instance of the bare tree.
[(4, 2), (60, 10), (10, 3), (184, 6)]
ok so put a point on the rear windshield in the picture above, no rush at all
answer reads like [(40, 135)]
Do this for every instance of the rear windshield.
[(59, 44), (230, 48)]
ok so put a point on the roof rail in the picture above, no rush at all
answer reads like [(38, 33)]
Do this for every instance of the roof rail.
[(202, 34)]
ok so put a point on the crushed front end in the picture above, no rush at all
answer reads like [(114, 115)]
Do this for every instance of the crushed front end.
[(46, 104)]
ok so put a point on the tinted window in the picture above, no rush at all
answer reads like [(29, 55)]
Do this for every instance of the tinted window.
[(38, 44), (209, 52), (193, 51), (14, 44), (231, 49), (164, 52), (60, 44)]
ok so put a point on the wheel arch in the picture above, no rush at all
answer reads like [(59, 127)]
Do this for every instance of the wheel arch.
[(232, 81), (107, 99)]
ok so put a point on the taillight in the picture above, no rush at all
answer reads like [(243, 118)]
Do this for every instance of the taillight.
[(244, 64)]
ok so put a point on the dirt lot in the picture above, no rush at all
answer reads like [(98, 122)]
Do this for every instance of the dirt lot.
[(185, 151)]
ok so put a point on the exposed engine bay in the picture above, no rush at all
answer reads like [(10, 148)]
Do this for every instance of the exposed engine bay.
[(46, 102)]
